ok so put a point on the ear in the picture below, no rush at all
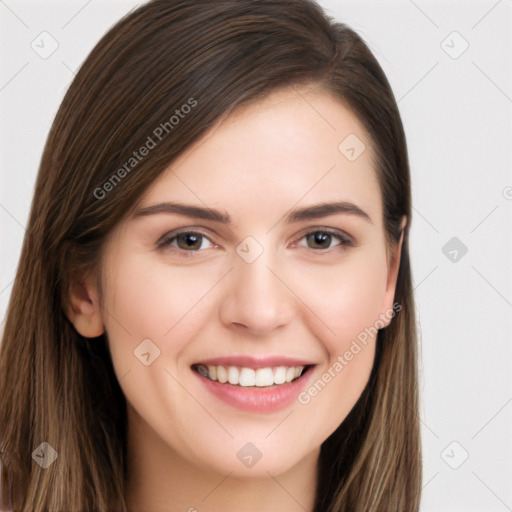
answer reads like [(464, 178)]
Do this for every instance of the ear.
[(393, 267), (83, 309)]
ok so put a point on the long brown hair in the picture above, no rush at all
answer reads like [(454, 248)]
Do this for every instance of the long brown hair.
[(60, 388)]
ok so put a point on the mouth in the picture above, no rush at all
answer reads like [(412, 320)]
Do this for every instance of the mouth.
[(254, 385), (247, 377)]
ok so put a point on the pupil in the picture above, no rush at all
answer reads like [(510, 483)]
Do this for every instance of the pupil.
[(189, 241), (321, 239)]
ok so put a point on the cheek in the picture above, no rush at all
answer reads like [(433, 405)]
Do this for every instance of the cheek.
[(156, 302), (169, 307), (347, 297)]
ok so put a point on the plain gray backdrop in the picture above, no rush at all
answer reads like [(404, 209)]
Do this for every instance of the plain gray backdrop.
[(449, 63)]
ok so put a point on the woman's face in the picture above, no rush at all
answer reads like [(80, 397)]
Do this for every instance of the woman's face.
[(258, 256)]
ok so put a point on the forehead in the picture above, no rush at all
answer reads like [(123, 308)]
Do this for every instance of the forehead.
[(297, 146)]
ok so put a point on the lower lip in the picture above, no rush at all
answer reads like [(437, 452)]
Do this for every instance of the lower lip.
[(252, 399)]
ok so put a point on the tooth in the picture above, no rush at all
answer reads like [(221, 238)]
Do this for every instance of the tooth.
[(203, 370), (222, 374), (212, 372), (247, 377), (290, 374), (233, 375), (264, 377), (280, 375)]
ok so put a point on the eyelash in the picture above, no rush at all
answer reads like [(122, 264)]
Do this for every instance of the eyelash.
[(166, 240)]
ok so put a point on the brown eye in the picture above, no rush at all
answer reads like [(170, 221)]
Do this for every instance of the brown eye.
[(324, 240), (188, 241), (319, 240)]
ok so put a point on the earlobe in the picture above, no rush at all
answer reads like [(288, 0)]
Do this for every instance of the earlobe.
[(84, 310)]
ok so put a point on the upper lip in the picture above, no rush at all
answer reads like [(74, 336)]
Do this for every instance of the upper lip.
[(254, 362)]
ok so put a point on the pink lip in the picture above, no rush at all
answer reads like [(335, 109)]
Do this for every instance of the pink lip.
[(252, 399), (255, 362)]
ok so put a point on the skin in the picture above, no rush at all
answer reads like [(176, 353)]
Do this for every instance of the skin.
[(295, 299)]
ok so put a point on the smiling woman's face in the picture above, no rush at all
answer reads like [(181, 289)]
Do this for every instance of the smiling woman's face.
[(268, 280)]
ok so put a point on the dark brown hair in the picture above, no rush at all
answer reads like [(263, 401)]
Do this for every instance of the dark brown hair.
[(59, 387)]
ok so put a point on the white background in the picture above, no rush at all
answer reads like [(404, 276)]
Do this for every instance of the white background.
[(456, 109)]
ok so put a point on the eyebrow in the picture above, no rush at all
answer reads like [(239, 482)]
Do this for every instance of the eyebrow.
[(325, 209), (297, 215), (197, 212)]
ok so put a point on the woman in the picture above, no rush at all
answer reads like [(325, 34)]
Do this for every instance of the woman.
[(213, 308)]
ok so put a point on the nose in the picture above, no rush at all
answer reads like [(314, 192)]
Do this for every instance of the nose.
[(256, 300)]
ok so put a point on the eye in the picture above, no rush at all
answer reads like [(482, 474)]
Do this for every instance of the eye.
[(324, 239), (189, 241)]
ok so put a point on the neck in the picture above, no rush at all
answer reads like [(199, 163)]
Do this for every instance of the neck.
[(160, 480)]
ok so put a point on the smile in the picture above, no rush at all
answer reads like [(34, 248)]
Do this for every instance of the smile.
[(258, 385), (250, 377)]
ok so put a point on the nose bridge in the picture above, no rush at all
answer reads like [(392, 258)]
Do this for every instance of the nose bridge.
[(256, 298)]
